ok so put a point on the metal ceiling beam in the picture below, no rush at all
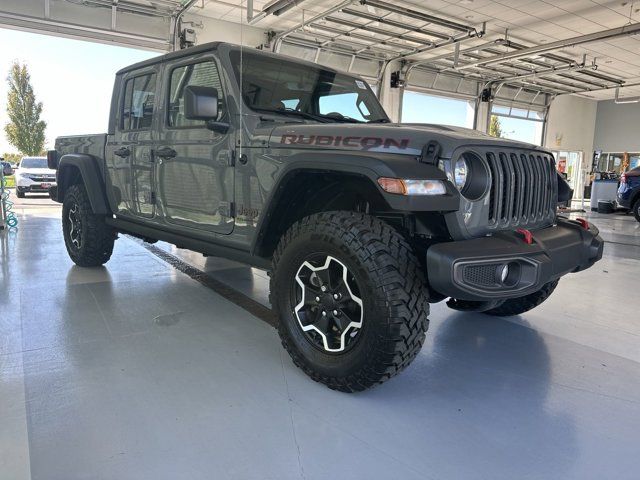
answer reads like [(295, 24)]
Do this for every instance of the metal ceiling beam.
[(394, 23), (282, 35), (371, 41), (379, 31), (425, 17), (549, 71), (631, 29)]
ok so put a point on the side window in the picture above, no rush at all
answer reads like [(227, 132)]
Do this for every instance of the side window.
[(204, 74), (139, 102)]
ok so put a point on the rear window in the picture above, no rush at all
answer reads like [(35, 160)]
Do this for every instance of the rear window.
[(34, 163)]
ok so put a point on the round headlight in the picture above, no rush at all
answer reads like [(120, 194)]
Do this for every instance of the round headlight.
[(461, 173)]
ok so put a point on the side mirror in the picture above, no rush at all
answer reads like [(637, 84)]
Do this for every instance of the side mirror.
[(200, 103), (52, 159)]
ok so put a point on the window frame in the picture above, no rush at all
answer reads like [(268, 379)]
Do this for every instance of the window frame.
[(169, 75), (132, 77)]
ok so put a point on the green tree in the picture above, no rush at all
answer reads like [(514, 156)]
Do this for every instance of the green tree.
[(495, 129), (25, 130)]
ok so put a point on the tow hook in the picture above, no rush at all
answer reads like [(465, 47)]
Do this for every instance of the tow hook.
[(527, 236), (583, 222)]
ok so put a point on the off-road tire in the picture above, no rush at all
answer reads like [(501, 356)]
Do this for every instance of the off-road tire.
[(516, 306), (97, 237), (636, 210), (19, 193), (393, 291)]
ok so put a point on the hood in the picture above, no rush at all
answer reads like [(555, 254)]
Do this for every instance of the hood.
[(396, 138)]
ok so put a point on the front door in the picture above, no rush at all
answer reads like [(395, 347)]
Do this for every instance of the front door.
[(195, 173), (129, 154)]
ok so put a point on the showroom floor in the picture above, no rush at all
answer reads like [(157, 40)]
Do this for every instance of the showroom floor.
[(138, 371)]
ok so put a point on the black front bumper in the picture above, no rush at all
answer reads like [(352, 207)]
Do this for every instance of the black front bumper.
[(475, 269)]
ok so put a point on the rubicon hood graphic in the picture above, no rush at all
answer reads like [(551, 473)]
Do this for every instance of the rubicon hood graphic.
[(398, 138)]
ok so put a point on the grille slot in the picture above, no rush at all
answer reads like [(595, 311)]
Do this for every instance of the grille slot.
[(522, 189), (480, 275)]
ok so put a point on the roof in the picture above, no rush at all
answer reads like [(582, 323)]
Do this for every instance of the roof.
[(212, 46)]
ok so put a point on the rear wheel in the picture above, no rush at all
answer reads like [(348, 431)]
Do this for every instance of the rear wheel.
[(516, 306), (351, 299), (636, 210), (89, 240)]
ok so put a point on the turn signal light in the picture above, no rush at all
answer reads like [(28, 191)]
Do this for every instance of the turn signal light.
[(407, 186)]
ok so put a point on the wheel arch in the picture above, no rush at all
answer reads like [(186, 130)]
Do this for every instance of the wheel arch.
[(81, 168), (304, 191)]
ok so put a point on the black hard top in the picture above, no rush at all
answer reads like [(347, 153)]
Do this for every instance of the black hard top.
[(206, 47)]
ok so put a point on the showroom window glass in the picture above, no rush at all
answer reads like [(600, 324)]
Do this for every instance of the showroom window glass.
[(139, 102), (420, 107), (519, 124), (203, 74)]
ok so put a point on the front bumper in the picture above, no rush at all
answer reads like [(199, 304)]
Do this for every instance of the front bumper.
[(475, 269), (27, 185)]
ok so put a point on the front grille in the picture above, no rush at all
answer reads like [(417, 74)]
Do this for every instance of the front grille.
[(43, 178), (522, 188)]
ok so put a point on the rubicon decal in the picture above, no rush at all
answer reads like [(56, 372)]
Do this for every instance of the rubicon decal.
[(364, 143)]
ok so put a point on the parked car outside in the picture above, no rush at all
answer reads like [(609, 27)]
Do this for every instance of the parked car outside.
[(34, 175), (629, 191), (7, 169)]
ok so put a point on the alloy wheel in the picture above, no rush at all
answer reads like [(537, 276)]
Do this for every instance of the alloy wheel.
[(327, 303)]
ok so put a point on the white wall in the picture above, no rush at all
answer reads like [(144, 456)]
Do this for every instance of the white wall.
[(219, 30), (571, 124), (617, 127)]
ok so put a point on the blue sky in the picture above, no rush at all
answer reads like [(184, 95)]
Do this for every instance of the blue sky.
[(72, 78)]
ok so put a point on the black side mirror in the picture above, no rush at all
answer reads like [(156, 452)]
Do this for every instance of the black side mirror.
[(200, 103)]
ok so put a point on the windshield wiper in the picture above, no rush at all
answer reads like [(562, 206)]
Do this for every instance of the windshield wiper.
[(343, 118), (380, 120), (285, 111)]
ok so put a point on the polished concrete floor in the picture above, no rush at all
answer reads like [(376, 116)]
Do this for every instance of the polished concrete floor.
[(137, 371)]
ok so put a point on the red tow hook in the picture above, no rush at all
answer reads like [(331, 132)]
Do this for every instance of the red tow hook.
[(583, 222), (527, 236)]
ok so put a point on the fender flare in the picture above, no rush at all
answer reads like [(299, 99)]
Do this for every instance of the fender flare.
[(367, 166), (89, 171)]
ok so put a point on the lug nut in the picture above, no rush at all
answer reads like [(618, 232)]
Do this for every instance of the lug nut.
[(323, 288), (318, 299), (336, 296), (324, 314), (336, 313)]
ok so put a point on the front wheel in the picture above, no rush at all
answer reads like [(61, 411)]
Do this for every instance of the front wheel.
[(516, 306), (89, 240), (351, 299), (19, 193)]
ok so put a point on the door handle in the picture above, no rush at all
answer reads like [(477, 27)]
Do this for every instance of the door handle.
[(165, 152), (123, 152)]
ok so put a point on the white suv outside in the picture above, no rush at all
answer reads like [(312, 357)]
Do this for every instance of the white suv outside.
[(34, 175)]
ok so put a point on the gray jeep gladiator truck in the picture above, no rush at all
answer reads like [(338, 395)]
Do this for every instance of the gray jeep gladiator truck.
[(295, 168)]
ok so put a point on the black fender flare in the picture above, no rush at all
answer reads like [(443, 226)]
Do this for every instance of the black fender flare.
[(368, 166), (86, 166)]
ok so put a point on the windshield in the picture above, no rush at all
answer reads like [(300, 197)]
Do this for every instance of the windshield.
[(277, 85), (36, 162)]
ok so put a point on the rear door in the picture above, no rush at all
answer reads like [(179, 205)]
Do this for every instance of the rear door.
[(129, 152), (195, 172)]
